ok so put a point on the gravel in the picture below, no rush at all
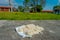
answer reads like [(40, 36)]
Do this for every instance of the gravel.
[(51, 29)]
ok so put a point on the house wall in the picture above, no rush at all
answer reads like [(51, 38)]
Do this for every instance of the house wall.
[(5, 9)]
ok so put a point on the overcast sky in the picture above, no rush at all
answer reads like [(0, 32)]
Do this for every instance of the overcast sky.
[(49, 3)]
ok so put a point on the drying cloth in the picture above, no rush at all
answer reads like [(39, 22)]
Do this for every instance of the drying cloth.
[(29, 30)]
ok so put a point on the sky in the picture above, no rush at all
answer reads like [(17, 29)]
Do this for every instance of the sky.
[(49, 3)]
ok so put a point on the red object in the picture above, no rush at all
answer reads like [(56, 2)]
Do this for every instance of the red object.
[(47, 11), (5, 8)]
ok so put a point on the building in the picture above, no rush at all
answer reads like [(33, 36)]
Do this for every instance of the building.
[(48, 11), (5, 8)]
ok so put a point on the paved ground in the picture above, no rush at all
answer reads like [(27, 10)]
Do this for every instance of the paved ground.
[(51, 32)]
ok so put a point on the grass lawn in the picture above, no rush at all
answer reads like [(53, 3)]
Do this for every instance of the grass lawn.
[(28, 16)]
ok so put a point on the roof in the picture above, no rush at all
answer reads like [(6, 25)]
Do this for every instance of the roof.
[(47, 11), (5, 7)]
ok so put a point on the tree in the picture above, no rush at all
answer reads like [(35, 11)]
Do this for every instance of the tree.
[(20, 8), (26, 4), (34, 3), (56, 9), (39, 8), (43, 2)]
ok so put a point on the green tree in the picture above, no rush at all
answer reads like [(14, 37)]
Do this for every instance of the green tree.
[(56, 9), (20, 8), (43, 2), (39, 8), (34, 4), (26, 4)]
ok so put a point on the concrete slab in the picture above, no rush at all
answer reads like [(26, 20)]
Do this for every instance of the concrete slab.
[(51, 30)]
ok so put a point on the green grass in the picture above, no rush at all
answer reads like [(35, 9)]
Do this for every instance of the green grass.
[(28, 16)]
